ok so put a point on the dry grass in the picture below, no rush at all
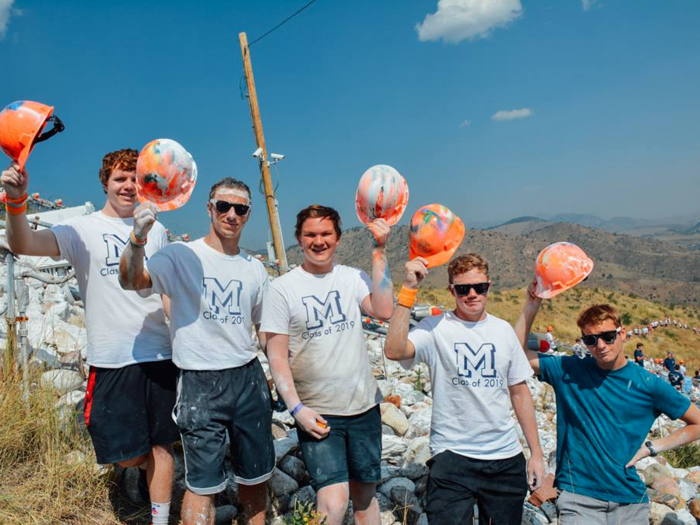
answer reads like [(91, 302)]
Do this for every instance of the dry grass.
[(40, 482), (562, 311)]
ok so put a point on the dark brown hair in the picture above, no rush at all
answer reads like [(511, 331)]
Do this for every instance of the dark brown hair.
[(314, 211), (465, 263), (597, 314), (123, 159)]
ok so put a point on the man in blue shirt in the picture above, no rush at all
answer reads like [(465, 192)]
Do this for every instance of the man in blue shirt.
[(675, 377), (639, 354), (605, 409), (669, 362)]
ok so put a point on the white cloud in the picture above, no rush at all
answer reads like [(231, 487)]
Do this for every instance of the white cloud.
[(457, 20), (465, 123), (512, 114), (6, 12), (587, 4)]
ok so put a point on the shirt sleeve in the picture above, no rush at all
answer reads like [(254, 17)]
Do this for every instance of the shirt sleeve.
[(162, 268), (424, 342), (519, 369), (275, 313), (66, 237), (550, 368), (258, 303), (364, 287), (669, 401)]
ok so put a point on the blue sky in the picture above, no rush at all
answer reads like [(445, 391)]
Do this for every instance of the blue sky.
[(495, 108)]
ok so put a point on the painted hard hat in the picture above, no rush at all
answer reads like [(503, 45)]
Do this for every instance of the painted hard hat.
[(165, 174), (381, 194), (550, 328), (436, 233), (560, 266), (21, 126)]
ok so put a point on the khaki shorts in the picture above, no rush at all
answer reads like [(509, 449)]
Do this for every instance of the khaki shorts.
[(575, 509)]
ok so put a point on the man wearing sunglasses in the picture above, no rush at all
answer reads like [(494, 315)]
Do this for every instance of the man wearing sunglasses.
[(605, 409), (477, 369), (215, 292)]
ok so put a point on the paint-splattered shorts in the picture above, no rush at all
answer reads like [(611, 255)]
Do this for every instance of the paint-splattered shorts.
[(214, 403), (127, 410), (352, 450)]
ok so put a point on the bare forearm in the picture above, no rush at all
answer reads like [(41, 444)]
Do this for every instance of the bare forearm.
[(525, 412), (382, 288), (522, 331), (397, 346), (282, 376), (132, 272), (26, 241), (679, 437)]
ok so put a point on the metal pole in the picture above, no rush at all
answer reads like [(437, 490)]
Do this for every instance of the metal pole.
[(264, 167)]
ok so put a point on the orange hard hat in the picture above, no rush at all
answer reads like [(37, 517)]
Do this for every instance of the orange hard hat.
[(165, 174), (681, 362), (560, 266), (21, 124), (550, 328), (381, 194), (436, 233)]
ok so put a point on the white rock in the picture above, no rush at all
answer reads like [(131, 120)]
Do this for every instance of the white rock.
[(394, 418), (685, 517), (71, 399), (418, 452), (645, 462), (688, 489), (419, 424), (387, 518), (393, 448), (62, 380)]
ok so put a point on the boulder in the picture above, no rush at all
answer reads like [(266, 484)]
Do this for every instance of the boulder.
[(282, 484), (63, 381), (393, 448), (688, 489), (385, 488), (294, 467), (667, 485), (283, 447), (694, 508), (394, 418), (419, 424), (654, 472), (225, 514)]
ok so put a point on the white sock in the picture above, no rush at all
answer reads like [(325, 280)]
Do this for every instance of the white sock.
[(160, 513)]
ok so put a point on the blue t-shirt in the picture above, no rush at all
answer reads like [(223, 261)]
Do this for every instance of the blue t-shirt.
[(669, 364), (602, 420), (675, 378), (638, 355)]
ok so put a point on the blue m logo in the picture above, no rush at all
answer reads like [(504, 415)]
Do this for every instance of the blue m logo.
[(223, 299), (469, 360), (115, 246), (317, 311)]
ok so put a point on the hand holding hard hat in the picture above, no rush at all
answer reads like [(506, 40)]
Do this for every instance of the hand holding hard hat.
[(381, 194), (165, 174), (14, 181), (436, 233), (21, 127), (560, 266)]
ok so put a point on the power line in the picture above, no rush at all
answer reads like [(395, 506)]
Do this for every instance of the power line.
[(280, 24)]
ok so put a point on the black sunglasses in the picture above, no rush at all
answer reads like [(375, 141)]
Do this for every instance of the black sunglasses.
[(225, 207), (607, 337), (464, 289)]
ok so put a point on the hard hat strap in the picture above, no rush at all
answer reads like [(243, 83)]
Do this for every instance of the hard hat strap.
[(58, 126)]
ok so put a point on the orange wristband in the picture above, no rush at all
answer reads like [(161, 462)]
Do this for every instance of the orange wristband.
[(407, 297), (19, 200), (136, 241), (16, 210)]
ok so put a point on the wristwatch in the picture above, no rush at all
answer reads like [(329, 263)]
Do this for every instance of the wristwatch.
[(652, 449)]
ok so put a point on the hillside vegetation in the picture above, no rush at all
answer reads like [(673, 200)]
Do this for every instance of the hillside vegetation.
[(562, 311)]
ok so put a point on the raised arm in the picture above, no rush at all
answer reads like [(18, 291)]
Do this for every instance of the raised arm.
[(278, 357), (132, 270), (21, 238), (524, 325), (397, 346), (380, 303)]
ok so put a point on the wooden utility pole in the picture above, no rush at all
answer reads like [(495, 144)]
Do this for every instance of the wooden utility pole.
[(264, 166)]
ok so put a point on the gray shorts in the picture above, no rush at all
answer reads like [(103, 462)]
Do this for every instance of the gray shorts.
[(575, 509)]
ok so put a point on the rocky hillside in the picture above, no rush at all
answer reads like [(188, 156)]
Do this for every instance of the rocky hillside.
[(648, 268)]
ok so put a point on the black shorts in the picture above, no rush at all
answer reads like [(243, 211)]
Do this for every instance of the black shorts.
[(351, 451), (127, 410), (211, 403), (456, 483)]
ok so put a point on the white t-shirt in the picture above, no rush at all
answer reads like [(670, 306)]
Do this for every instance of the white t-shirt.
[(550, 339), (327, 350), (123, 327), (471, 367), (215, 299)]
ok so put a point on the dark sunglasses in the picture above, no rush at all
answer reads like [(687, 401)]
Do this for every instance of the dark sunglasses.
[(607, 337), (225, 207), (464, 289)]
